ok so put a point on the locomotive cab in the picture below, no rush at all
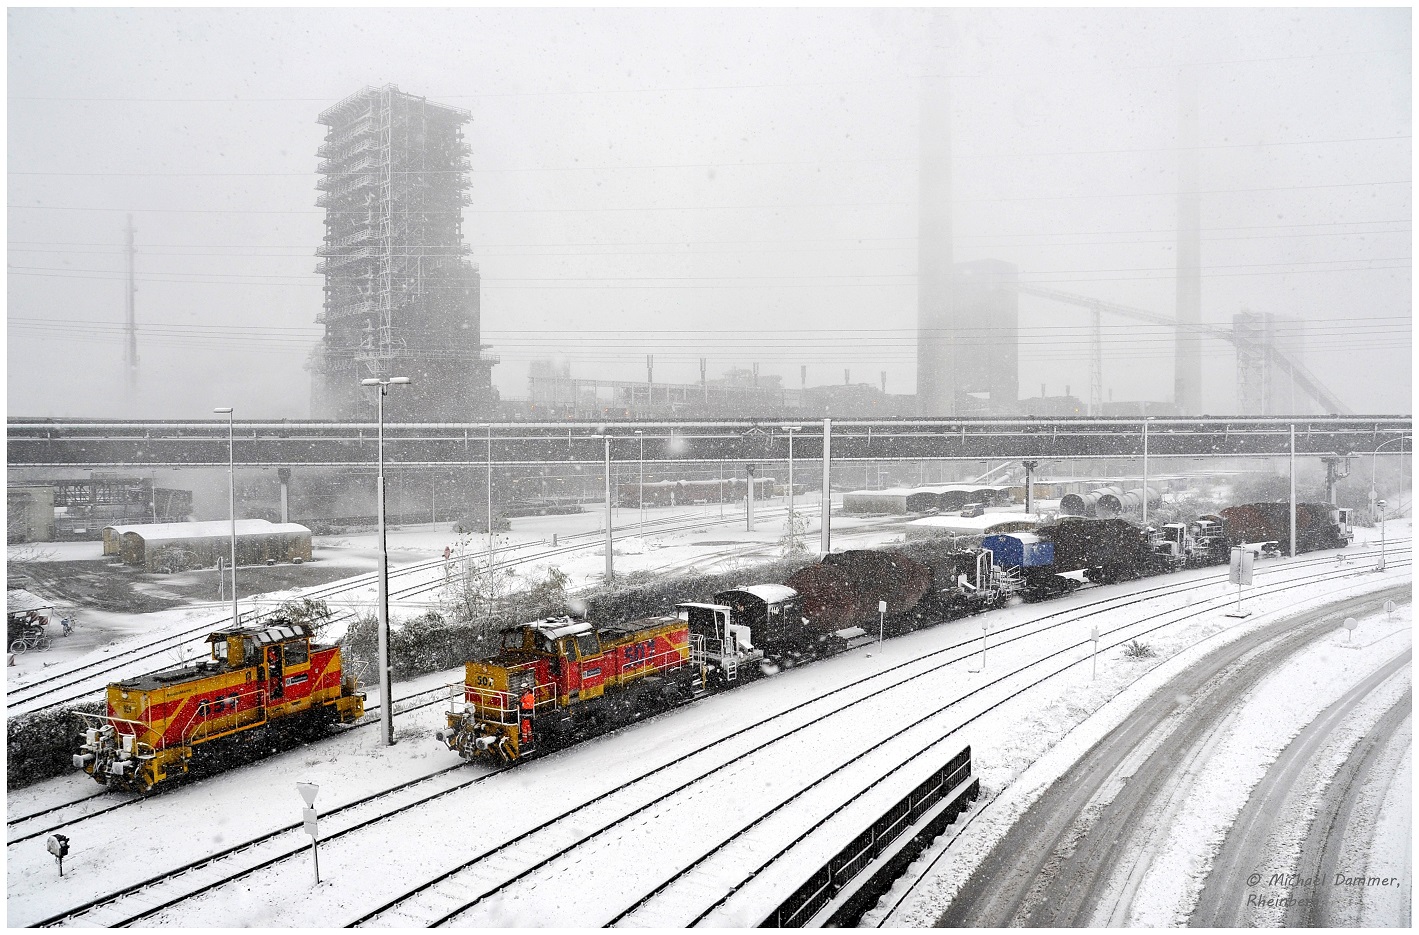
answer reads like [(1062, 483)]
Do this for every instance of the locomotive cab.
[(156, 724), (719, 639)]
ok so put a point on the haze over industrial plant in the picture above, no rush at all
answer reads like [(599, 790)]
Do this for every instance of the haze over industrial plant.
[(766, 197)]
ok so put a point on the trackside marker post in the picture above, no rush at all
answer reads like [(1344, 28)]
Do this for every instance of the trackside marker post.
[(308, 791), (1350, 624), (1239, 574), (881, 620), (1094, 635)]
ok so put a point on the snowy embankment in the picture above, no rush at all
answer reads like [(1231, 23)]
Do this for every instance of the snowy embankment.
[(1022, 752)]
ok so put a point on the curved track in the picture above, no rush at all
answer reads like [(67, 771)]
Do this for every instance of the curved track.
[(1053, 867)]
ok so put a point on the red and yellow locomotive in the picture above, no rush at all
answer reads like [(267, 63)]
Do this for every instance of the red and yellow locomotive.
[(555, 677), (256, 679)]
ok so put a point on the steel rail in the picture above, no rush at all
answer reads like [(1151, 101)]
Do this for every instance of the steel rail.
[(299, 849), (1277, 588), (967, 645)]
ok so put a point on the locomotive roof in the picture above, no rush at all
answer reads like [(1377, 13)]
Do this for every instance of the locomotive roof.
[(170, 677), (557, 627), (261, 636), (768, 593)]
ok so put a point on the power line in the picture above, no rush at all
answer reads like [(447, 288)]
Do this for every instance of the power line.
[(747, 207), (1006, 154)]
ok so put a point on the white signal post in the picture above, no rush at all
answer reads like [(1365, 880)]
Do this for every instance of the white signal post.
[(881, 621), (1094, 635), (386, 693), (1239, 573), (308, 791)]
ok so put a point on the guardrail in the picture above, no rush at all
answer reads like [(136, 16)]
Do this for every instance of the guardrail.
[(950, 781)]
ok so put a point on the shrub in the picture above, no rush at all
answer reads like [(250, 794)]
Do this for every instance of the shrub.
[(1135, 649), (42, 745)]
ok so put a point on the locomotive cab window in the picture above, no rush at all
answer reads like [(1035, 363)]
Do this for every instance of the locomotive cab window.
[(588, 645), (295, 653)]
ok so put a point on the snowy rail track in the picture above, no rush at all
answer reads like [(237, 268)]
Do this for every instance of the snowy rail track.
[(676, 785), (142, 900), (1071, 861), (801, 719)]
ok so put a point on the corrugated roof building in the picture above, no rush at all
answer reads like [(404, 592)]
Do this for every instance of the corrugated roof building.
[(177, 546)]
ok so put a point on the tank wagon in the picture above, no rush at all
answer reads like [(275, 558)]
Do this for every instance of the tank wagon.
[(558, 677), (257, 680)]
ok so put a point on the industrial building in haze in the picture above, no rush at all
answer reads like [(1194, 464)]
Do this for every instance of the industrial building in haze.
[(401, 294)]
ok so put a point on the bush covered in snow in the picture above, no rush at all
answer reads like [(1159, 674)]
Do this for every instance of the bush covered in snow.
[(41, 745)]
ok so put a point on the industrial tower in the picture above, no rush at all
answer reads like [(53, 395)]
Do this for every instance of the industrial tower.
[(401, 296)]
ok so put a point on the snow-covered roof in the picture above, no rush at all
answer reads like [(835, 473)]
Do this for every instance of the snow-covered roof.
[(769, 593), (166, 532), (554, 628), (985, 524), (19, 601)]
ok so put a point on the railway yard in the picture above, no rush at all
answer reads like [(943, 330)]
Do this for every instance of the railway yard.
[(714, 812)]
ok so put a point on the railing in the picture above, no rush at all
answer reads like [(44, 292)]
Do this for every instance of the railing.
[(820, 889), (190, 731)]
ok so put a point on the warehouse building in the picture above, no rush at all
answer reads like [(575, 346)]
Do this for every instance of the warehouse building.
[(180, 546)]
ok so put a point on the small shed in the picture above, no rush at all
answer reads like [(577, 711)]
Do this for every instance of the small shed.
[(24, 610), (176, 546)]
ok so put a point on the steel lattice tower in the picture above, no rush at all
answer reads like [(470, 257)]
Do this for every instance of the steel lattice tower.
[(401, 296)]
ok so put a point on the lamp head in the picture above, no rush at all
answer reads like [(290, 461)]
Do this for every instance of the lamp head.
[(223, 409), (371, 381), (400, 380)]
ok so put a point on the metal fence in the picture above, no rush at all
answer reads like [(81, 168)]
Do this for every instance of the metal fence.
[(829, 880)]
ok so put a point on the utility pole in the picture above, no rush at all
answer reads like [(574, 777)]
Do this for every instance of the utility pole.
[(826, 537), (130, 355), (610, 569)]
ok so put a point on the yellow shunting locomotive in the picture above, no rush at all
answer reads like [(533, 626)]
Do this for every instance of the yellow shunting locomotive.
[(257, 679), (555, 677)]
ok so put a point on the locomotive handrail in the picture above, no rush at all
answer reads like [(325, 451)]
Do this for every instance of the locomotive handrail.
[(189, 731)]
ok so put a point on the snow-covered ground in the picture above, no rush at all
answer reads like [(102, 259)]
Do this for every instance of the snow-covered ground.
[(1018, 766), (391, 856)]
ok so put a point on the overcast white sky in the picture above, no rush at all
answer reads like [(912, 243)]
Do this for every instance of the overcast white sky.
[(737, 184)]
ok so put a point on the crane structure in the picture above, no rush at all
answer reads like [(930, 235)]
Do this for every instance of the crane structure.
[(1253, 350)]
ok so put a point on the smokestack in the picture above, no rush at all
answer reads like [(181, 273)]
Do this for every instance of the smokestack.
[(1187, 362), (935, 349)]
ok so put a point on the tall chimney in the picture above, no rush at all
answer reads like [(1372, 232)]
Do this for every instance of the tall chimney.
[(1187, 361), (935, 348)]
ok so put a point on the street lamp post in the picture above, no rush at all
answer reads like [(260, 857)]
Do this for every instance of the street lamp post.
[(231, 501), (610, 561), (790, 429), (1374, 463), (386, 697), (1381, 505), (640, 440)]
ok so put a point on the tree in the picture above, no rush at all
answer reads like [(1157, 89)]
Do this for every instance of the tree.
[(795, 529)]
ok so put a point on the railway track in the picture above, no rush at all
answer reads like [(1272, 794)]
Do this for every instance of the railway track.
[(777, 728), (78, 680), (538, 857)]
